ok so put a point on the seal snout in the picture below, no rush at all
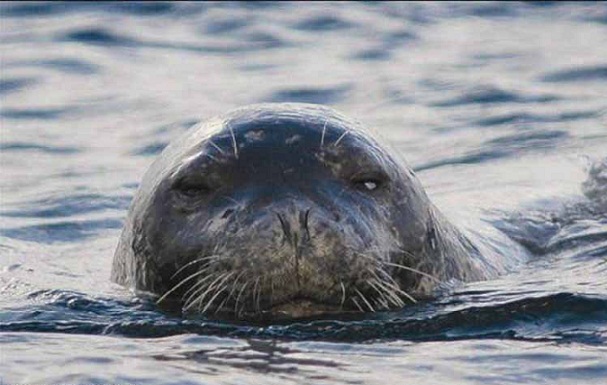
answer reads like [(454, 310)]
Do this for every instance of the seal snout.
[(294, 225), (296, 254)]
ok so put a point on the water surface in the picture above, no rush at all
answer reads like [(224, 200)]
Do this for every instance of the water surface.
[(500, 108)]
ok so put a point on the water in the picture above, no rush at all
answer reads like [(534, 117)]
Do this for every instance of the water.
[(500, 107)]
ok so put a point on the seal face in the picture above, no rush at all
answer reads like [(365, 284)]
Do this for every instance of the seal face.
[(287, 209)]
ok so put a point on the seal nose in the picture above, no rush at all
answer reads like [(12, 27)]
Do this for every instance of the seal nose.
[(298, 232), (294, 224)]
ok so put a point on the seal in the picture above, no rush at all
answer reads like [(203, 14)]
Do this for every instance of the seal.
[(288, 210)]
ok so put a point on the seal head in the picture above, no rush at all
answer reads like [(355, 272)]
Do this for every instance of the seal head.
[(286, 209)]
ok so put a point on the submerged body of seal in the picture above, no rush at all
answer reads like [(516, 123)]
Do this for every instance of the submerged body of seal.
[(288, 209)]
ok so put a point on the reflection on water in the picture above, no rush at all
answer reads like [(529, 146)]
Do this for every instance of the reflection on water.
[(500, 107)]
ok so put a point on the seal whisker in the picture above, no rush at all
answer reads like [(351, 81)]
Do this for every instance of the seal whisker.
[(382, 296), (407, 295), (238, 297), (221, 304), (233, 139), (393, 292), (201, 299), (388, 294), (213, 286), (271, 291), (340, 138), (389, 280), (256, 294), (412, 256), (357, 304), (396, 287), (221, 290), (235, 282), (233, 285), (372, 258), (385, 292), (324, 130), (181, 283), (406, 252), (199, 288), (194, 297), (216, 146), (343, 295), (202, 259), (413, 270), (198, 284), (361, 296), (383, 302)]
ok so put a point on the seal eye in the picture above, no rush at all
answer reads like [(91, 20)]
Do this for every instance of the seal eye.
[(191, 189), (190, 192), (368, 183)]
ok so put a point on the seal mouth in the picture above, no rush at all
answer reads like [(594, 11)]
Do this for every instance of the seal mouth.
[(302, 308), (290, 309)]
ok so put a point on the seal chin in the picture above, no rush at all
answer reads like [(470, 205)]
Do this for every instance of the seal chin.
[(295, 308), (302, 308)]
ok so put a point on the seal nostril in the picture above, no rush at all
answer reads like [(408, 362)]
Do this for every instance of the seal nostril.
[(286, 229), (303, 220)]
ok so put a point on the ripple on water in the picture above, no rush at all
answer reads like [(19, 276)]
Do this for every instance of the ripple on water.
[(35, 113), (527, 140), (15, 84), (558, 317), (97, 36), (311, 95), (323, 23), (171, 130), (65, 231), (384, 49), (142, 8), (139, 8), (264, 40), (68, 66), (579, 74), (151, 149), (226, 26), (494, 95), (29, 9), (22, 147), (503, 147), (372, 54), (527, 117), (71, 205), (103, 37)]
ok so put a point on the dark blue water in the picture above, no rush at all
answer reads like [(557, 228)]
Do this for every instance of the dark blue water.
[(500, 107)]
